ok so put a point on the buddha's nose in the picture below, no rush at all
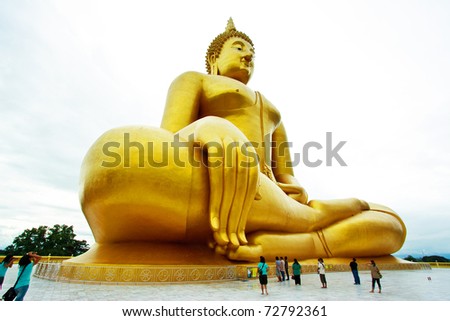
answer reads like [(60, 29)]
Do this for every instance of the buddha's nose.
[(248, 57)]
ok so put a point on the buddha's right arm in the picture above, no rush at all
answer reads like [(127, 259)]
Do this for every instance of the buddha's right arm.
[(183, 101), (232, 186), (233, 176)]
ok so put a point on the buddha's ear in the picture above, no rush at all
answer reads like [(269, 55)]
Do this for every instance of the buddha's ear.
[(213, 64)]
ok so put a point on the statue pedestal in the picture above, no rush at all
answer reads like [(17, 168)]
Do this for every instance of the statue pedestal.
[(148, 262), (146, 253), (143, 263)]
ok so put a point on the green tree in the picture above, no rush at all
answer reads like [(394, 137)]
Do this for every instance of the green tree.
[(58, 240), (411, 259), (61, 241), (434, 258)]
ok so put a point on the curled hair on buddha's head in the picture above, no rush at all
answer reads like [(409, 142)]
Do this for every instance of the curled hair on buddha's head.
[(216, 45)]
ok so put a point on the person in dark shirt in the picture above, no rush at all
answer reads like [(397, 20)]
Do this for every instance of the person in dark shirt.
[(286, 267), (354, 268)]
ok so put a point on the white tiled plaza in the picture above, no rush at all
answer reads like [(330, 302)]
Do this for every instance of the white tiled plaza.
[(408, 285)]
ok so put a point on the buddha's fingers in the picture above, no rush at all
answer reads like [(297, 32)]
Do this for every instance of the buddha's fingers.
[(216, 180), (251, 191), (230, 164), (239, 197), (245, 253)]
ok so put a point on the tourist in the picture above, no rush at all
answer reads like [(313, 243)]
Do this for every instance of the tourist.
[(278, 268), (282, 269), (262, 272), (26, 264), (286, 267), (354, 268), (321, 271), (6, 263), (376, 276), (297, 270)]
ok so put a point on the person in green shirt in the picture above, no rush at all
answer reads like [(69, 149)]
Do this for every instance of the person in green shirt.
[(6, 263), (262, 271), (297, 270)]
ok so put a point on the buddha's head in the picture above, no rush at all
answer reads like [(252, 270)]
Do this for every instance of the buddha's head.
[(231, 54)]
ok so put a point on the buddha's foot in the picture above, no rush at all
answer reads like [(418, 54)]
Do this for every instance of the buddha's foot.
[(333, 211), (350, 205), (382, 208), (364, 205)]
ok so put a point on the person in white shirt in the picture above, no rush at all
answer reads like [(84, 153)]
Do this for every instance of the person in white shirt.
[(321, 271)]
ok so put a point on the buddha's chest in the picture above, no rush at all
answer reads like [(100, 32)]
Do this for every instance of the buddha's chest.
[(232, 100)]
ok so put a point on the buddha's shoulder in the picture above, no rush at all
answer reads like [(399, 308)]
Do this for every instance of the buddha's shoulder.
[(198, 76), (190, 75), (188, 79)]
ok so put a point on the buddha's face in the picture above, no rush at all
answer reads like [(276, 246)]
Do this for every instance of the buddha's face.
[(236, 59)]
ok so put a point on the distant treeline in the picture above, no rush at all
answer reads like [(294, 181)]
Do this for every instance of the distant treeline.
[(431, 258)]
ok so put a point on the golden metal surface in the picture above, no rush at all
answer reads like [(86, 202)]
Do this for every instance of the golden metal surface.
[(214, 185)]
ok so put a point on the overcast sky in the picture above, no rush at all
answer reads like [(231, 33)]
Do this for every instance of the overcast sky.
[(375, 74)]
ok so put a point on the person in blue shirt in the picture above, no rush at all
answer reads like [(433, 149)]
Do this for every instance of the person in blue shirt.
[(262, 271), (6, 263), (26, 264)]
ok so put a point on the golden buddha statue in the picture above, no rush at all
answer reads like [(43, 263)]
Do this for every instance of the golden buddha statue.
[(216, 178)]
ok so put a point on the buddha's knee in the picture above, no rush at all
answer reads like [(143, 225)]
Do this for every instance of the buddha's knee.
[(370, 233), (133, 189)]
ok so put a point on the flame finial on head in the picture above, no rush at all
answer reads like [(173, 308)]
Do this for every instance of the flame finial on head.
[(230, 25)]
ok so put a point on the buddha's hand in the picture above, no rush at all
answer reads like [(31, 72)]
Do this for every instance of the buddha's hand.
[(294, 191), (233, 176)]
